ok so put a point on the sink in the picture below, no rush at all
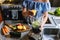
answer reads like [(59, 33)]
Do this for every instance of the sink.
[(51, 34), (56, 20), (50, 22), (51, 31), (50, 37)]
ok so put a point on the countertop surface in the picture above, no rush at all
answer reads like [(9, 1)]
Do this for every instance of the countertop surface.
[(25, 37), (2, 37)]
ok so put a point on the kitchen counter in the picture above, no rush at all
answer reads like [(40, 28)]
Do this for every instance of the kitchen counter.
[(2, 37), (26, 37), (53, 19)]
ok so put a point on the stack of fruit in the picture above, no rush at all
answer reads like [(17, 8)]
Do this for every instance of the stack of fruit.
[(19, 26)]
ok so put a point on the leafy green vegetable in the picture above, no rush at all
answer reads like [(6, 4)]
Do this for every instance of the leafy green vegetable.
[(57, 12)]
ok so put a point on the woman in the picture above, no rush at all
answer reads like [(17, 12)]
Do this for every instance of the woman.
[(42, 7)]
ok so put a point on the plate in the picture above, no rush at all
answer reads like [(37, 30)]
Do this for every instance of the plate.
[(23, 30)]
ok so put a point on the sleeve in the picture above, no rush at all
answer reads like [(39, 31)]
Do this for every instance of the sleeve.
[(46, 7), (24, 4)]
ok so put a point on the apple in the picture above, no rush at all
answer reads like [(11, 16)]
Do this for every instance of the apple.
[(19, 24)]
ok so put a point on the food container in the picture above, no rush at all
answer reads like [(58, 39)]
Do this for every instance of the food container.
[(19, 33), (36, 24)]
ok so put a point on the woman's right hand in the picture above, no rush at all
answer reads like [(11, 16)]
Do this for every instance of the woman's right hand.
[(27, 14), (24, 14), (33, 12)]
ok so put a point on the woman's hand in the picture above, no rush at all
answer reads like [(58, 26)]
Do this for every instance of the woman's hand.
[(44, 19), (28, 14), (41, 28), (33, 12), (24, 12)]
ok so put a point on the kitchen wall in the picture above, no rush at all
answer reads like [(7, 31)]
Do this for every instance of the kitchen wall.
[(55, 3), (2, 1)]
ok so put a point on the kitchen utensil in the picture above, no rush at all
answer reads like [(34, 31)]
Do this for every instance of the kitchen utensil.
[(36, 23)]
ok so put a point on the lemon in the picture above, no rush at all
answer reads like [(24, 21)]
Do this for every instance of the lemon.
[(19, 27), (34, 12)]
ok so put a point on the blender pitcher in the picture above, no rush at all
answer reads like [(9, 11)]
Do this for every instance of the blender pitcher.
[(36, 23)]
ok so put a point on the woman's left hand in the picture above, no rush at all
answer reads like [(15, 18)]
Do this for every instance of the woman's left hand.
[(41, 28)]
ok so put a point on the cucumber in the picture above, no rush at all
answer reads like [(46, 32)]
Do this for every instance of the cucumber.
[(52, 13)]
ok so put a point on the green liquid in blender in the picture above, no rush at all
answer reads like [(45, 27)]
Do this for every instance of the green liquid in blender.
[(35, 24)]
